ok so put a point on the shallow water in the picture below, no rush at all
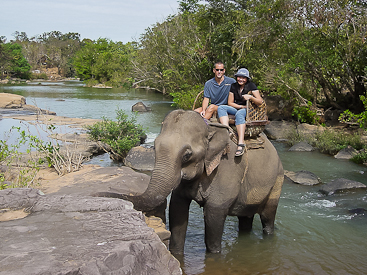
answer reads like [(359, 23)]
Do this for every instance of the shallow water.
[(72, 99), (315, 234)]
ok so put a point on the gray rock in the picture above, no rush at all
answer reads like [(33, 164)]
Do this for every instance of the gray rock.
[(341, 185), (122, 180), (67, 234), (302, 147), (346, 153), (278, 130), (308, 129), (110, 182), (277, 108), (358, 211), (140, 107), (302, 177), (141, 158), (17, 198)]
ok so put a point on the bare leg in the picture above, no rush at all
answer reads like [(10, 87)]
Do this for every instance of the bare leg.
[(198, 109), (241, 134), (224, 120), (210, 111)]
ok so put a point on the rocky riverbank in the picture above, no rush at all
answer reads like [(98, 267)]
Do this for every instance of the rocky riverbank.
[(62, 227)]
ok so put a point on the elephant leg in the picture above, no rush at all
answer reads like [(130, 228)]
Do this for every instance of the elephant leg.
[(245, 223), (178, 220), (214, 224), (267, 216), (267, 221)]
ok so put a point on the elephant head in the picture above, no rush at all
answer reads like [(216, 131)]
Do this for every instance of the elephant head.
[(185, 149)]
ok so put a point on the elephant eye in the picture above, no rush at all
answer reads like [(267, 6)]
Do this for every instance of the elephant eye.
[(186, 156)]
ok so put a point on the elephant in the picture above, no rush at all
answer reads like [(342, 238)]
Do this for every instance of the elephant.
[(195, 160)]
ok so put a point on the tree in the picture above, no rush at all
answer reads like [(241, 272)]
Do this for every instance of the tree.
[(312, 50), (176, 57), (50, 49), (4, 57), (14, 62), (104, 61)]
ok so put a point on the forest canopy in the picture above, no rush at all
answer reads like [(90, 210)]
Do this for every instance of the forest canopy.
[(313, 53)]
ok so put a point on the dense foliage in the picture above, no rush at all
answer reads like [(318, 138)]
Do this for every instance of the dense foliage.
[(12, 61), (104, 61), (120, 135), (313, 53)]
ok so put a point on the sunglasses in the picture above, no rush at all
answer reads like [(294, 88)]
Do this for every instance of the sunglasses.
[(219, 70)]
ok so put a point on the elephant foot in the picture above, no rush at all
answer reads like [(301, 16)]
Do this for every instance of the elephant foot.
[(268, 230)]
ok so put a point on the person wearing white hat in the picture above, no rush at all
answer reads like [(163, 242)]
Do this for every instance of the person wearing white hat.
[(238, 96)]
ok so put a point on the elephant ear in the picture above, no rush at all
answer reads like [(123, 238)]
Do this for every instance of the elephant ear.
[(219, 144)]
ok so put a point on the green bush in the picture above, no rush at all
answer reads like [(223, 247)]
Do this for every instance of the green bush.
[(304, 114), (185, 100), (361, 119), (328, 141), (361, 157), (331, 142), (39, 76), (91, 82), (120, 135)]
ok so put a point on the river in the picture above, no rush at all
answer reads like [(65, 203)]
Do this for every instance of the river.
[(315, 234)]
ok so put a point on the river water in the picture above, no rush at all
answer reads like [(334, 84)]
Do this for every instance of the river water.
[(315, 234)]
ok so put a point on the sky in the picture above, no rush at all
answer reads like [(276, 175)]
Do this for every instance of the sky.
[(118, 20)]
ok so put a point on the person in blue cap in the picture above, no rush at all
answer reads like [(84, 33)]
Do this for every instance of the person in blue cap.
[(238, 96)]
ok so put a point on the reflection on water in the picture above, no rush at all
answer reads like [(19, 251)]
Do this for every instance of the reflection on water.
[(315, 234)]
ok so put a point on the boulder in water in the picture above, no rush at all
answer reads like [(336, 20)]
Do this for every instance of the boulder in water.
[(341, 185), (302, 177)]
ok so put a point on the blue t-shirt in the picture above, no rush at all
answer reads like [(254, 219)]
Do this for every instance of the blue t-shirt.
[(218, 94)]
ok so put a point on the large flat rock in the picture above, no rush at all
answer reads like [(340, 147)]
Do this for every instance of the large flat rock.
[(93, 178), (75, 234)]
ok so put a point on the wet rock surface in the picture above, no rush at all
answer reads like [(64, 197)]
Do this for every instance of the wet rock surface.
[(279, 130), (302, 177), (341, 184), (76, 234), (302, 147), (346, 153), (140, 158), (140, 107)]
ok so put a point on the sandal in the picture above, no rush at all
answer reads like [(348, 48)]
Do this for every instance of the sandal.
[(240, 152)]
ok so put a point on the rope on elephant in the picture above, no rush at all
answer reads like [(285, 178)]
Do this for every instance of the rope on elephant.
[(246, 163)]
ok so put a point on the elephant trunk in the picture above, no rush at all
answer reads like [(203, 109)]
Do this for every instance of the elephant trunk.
[(165, 178)]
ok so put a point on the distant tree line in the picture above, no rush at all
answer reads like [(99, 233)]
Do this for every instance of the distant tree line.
[(313, 53)]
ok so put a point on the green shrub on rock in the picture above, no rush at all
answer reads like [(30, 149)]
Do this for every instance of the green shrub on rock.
[(120, 135)]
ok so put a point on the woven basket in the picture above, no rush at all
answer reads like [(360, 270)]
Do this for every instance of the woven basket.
[(256, 114)]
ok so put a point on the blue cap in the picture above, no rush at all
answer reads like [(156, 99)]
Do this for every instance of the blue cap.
[(243, 72)]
